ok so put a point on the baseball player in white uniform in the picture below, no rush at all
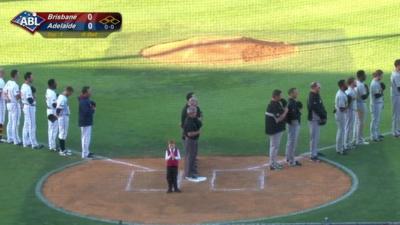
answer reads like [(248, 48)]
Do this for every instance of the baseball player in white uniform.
[(51, 104), (28, 99), (395, 92), (362, 91), (377, 89), (2, 105), (351, 93), (12, 96), (63, 112), (341, 109)]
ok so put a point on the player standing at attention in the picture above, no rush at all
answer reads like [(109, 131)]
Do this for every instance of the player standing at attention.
[(293, 120), (191, 131), (29, 108), (377, 89), (52, 123), (351, 92), (12, 96), (395, 87), (341, 111), (86, 111), (2, 104), (317, 117), (275, 124), (63, 112), (362, 91), (172, 157)]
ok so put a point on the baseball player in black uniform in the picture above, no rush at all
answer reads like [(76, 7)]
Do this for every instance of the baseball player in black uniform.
[(317, 117), (293, 120), (275, 124)]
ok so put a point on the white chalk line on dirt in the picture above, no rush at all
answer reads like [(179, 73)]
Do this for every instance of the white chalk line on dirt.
[(131, 180), (106, 159), (260, 180)]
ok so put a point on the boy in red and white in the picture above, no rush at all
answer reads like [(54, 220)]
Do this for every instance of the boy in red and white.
[(172, 157)]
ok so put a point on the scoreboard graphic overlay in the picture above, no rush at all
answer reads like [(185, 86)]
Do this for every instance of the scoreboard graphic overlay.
[(69, 24)]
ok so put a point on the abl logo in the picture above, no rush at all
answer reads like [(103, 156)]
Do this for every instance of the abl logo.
[(28, 20)]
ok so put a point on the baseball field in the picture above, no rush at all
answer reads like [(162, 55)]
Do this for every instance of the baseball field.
[(139, 79)]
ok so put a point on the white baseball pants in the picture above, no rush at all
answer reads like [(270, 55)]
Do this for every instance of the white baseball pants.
[(63, 124), (52, 131), (396, 115), (361, 116), (349, 136), (340, 118), (86, 133), (376, 110), (29, 128), (14, 111), (274, 143)]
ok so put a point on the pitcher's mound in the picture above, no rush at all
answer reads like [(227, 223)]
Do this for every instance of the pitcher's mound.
[(226, 50), (235, 190)]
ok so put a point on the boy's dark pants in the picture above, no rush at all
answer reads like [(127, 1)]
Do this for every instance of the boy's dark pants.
[(172, 177)]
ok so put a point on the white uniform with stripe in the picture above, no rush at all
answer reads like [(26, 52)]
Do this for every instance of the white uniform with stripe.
[(11, 91), (340, 116), (29, 109), (362, 112), (51, 103), (2, 106), (376, 108), (395, 93), (349, 137), (63, 116)]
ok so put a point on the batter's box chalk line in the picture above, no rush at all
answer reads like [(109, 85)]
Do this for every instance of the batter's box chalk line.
[(129, 187), (260, 183)]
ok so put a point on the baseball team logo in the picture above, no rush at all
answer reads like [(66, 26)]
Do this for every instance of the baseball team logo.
[(29, 21)]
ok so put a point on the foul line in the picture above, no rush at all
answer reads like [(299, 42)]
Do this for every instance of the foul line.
[(75, 152), (128, 184)]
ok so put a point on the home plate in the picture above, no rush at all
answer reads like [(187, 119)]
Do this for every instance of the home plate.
[(197, 180)]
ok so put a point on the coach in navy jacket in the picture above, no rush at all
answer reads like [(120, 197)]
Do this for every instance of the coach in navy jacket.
[(86, 112)]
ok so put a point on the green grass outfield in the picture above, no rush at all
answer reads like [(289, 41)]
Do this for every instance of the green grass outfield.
[(139, 101)]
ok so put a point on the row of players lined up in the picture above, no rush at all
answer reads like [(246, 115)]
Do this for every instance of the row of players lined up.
[(16, 100), (350, 114)]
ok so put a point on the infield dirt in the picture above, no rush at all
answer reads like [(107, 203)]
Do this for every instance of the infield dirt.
[(107, 190), (217, 50)]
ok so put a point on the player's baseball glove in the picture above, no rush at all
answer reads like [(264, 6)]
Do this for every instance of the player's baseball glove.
[(299, 105), (93, 103), (383, 86), (349, 99), (52, 118), (322, 122)]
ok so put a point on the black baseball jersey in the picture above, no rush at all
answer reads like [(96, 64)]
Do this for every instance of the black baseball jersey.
[(274, 110), (191, 125), (315, 104), (294, 112)]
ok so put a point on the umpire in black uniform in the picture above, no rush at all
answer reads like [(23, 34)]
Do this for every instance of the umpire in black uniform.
[(191, 131), (317, 117), (275, 124)]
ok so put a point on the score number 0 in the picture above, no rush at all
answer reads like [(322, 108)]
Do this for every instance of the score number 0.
[(90, 25)]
